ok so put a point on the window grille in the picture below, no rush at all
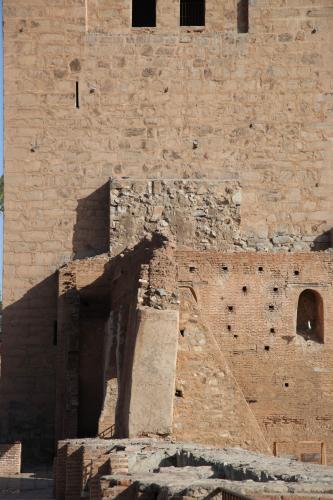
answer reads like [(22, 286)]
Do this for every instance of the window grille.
[(192, 12)]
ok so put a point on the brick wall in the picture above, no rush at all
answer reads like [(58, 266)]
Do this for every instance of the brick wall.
[(246, 375), (98, 321), (79, 465), (10, 458), (209, 404), (169, 102), (249, 303)]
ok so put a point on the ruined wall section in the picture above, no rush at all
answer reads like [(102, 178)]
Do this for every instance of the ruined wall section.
[(108, 309), (82, 106), (249, 302), (10, 458), (83, 309), (153, 373), (210, 407), (201, 214), (192, 213), (144, 303)]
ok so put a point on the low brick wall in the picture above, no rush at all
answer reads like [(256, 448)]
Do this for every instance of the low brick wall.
[(10, 458), (79, 465)]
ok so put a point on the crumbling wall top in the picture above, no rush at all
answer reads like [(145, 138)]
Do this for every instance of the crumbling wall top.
[(197, 214)]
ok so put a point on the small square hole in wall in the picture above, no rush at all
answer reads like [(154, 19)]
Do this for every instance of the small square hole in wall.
[(229, 328), (260, 269), (192, 269), (225, 269), (267, 348), (275, 289), (192, 12), (244, 289), (271, 307), (296, 272), (286, 384), (182, 332), (272, 330), (143, 13), (235, 336), (230, 308)]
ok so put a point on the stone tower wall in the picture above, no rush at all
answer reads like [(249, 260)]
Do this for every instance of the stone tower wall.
[(87, 98)]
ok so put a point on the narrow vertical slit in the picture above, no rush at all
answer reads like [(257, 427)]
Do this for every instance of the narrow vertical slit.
[(77, 96), (55, 332), (243, 16)]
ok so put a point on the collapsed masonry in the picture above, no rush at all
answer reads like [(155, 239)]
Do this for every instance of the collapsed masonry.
[(151, 469), (183, 330)]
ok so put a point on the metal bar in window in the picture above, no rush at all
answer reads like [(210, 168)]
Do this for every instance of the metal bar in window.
[(192, 12)]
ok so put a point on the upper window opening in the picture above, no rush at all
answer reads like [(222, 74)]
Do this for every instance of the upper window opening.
[(144, 13), (192, 12), (310, 316), (243, 16)]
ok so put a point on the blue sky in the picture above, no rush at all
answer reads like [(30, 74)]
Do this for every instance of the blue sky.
[(1, 143)]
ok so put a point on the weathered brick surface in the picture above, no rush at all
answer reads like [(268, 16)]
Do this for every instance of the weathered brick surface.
[(164, 102), (169, 469), (245, 376), (80, 464), (98, 319), (283, 375), (10, 458), (209, 405)]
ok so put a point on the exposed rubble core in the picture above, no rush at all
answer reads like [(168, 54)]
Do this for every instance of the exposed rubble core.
[(200, 213)]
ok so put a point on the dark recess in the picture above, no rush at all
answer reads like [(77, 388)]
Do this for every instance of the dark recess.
[(192, 12), (243, 16), (144, 13), (77, 95), (91, 231)]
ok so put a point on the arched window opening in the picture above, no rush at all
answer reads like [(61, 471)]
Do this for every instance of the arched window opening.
[(192, 12), (144, 13), (310, 316)]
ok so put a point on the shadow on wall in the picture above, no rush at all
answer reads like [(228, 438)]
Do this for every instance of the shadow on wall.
[(323, 241), (91, 235), (106, 352), (104, 347), (124, 301), (27, 384), (93, 317)]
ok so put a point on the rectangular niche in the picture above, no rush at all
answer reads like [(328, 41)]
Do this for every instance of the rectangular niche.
[(306, 451)]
